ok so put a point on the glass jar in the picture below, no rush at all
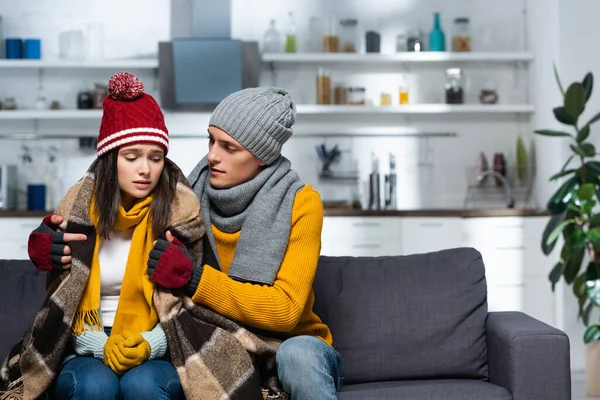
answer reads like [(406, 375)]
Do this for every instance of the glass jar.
[(403, 91), (356, 96), (272, 41), (340, 94), (461, 38), (386, 99), (323, 87), (414, 42), (331, 40), (454, 86), (349, 35), (401, 43)]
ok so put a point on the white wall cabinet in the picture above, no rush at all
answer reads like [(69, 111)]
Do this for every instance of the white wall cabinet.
[(361, 236), (14, 233), (427, 234), (516, 269)]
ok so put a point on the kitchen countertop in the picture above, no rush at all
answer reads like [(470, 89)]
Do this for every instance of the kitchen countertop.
[(349, 212), (458, 212)]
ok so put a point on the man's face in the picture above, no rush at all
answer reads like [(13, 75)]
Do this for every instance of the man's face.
[(229, 162)]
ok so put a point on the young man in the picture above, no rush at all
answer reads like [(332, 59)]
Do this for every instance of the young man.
[(263, 244)]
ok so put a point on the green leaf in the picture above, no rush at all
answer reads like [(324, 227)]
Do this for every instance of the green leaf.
[(579, 285), (557, 231), (568, 161), (594, 119), (592, 283), (595, 220), (575, 100), (594, 236), (588, 205), (593, 166), (588, 85), (548, 132), (583, 134), (586, 313), (574, 256), (578, 150), (562, 173), (558, 201), (563, 116), (555, 274), (586, 191), (558, 81), (581, 304), (591, 334), (588, 149), (593, 291), (554, 221)]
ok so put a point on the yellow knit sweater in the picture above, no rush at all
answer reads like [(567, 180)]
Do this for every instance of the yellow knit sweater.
[(286, 307)]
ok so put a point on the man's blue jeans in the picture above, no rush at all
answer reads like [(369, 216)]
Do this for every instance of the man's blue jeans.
[(309, 369), (88, 378)]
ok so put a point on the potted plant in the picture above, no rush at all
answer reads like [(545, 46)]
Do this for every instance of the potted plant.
[(576, 218)]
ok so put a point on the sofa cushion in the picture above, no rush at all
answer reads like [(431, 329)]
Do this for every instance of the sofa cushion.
[(21, 296), (406, 317), (458, 389)]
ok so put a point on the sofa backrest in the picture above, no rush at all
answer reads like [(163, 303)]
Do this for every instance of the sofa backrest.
[(406, 317), (21, 296)]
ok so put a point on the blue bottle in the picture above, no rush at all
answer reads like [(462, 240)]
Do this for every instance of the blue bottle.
[(437, 39)]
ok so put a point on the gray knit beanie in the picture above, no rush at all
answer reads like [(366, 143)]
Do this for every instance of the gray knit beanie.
[(260, 119)]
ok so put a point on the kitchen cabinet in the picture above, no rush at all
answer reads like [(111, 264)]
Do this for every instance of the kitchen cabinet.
[(427, 234), (361, 236), (14, 234), (516, 269)]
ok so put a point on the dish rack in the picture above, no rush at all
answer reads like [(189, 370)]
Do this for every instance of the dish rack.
[(491, 192)]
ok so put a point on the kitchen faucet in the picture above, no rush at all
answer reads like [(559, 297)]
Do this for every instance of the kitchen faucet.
[(510, 202)]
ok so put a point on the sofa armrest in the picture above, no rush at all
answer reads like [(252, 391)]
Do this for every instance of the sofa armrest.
[(528, 357)]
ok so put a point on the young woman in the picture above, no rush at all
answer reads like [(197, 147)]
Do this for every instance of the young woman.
[(99, 335)]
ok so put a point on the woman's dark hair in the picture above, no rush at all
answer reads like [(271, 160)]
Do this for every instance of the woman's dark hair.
[(108, 194)]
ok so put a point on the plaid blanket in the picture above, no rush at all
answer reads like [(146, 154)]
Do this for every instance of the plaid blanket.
[(215, 357)]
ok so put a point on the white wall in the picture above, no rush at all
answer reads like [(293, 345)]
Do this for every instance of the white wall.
[(440, 184)]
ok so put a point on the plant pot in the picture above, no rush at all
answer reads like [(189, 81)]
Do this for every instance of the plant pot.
[(592, 369)]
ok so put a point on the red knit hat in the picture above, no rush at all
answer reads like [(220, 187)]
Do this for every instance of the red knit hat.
[(130, 116)]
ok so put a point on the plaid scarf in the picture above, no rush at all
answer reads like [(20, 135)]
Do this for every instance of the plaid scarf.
[(215, 357)]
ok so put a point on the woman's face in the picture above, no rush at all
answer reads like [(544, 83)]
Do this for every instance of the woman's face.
[(229, 162), (139, 168)]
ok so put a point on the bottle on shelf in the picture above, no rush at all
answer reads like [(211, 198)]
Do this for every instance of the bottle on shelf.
[(437, 38), (290, 34), (272, 39)]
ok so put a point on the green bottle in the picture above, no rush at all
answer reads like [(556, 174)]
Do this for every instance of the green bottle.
[(290, 35), (437, 39)]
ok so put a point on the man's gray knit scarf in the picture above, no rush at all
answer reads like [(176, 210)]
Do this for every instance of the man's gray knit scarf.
[(261, 208)]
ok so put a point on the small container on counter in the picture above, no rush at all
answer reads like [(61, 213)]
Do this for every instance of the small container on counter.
[(414, 41), (349, 35), (85, 100), (461, 38), (323, 87), (386, 99), (454, 86), (340, 94), (356, 96), (373, 41), (401, 43), (403, 91), (331, 40)]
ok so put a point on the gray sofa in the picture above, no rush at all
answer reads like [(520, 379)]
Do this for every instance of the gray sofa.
[(411, 327)]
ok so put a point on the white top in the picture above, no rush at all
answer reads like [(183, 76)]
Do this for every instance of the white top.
[(113, 256)]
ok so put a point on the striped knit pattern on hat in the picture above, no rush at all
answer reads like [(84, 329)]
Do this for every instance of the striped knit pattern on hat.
[(260, 119), (130, 116)]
